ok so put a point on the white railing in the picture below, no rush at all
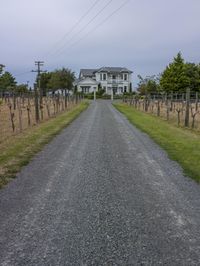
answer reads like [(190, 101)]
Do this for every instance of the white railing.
[(116, 81)]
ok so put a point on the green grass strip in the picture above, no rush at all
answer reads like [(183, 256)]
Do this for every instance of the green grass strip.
[(20, 149), (182, 145)]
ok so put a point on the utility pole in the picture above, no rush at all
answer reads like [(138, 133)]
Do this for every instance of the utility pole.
[(37, 88)]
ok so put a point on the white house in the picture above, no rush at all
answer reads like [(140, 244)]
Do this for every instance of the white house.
[(116, 79)]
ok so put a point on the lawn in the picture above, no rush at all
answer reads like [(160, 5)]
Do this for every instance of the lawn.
[(182, 145), (18, 150)]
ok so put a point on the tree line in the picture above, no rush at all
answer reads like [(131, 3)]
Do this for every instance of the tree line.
[(177, 77), (59, 79)]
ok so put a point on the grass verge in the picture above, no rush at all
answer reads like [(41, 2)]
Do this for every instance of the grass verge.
[(18, 150), (182, 145)]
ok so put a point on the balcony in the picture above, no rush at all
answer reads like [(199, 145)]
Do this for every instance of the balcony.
[(116, 81)]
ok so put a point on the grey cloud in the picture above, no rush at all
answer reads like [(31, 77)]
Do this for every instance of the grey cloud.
[(144, 35)]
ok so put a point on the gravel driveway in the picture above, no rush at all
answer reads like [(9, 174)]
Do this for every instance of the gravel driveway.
[(101, 193)]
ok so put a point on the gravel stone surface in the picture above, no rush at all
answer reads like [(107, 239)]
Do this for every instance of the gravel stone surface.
[(101, 193)]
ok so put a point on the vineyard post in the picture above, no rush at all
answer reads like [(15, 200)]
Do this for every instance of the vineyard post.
[(197, 101), (14, 101), (40, 96), (65, 90), (183, 99), (187, 111), (20, 114), (171, 104), (167, 107), (37, 114), (28, 110), (12, 115), (158, 108), (146, 103)]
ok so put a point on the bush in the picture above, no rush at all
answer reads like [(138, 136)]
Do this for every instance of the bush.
[(100, 93)]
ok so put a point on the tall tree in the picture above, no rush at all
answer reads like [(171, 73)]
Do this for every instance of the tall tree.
[(61, 79), (178, 76)]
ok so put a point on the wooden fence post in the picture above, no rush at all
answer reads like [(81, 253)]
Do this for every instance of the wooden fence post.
[(29, 110), (187, 111), (197, 101), (37, 114), (20, 114)]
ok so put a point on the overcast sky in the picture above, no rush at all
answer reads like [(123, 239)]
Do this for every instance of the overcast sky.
[(143, 35)]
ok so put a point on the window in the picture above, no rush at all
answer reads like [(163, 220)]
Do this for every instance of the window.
[(125, 88), (101, 77), (114, 77), (125, 76), (104, 76)]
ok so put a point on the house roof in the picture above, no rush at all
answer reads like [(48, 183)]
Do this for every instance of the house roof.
[(88, 80), (114, 70), (88, 72)]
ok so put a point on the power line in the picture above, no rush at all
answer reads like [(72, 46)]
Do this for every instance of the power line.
[(98, 25), (75, 25), (84, 27)]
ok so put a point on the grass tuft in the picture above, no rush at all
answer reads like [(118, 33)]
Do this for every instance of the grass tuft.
[(182, 145)]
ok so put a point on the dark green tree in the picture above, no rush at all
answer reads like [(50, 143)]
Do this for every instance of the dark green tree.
[(192, 72), (148, 85), (21, 89), (44, 80), (173, 79), (7, 82), (178, 76), (61, 79)]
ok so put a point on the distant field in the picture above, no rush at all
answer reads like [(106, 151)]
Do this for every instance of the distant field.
[(182, 145)]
